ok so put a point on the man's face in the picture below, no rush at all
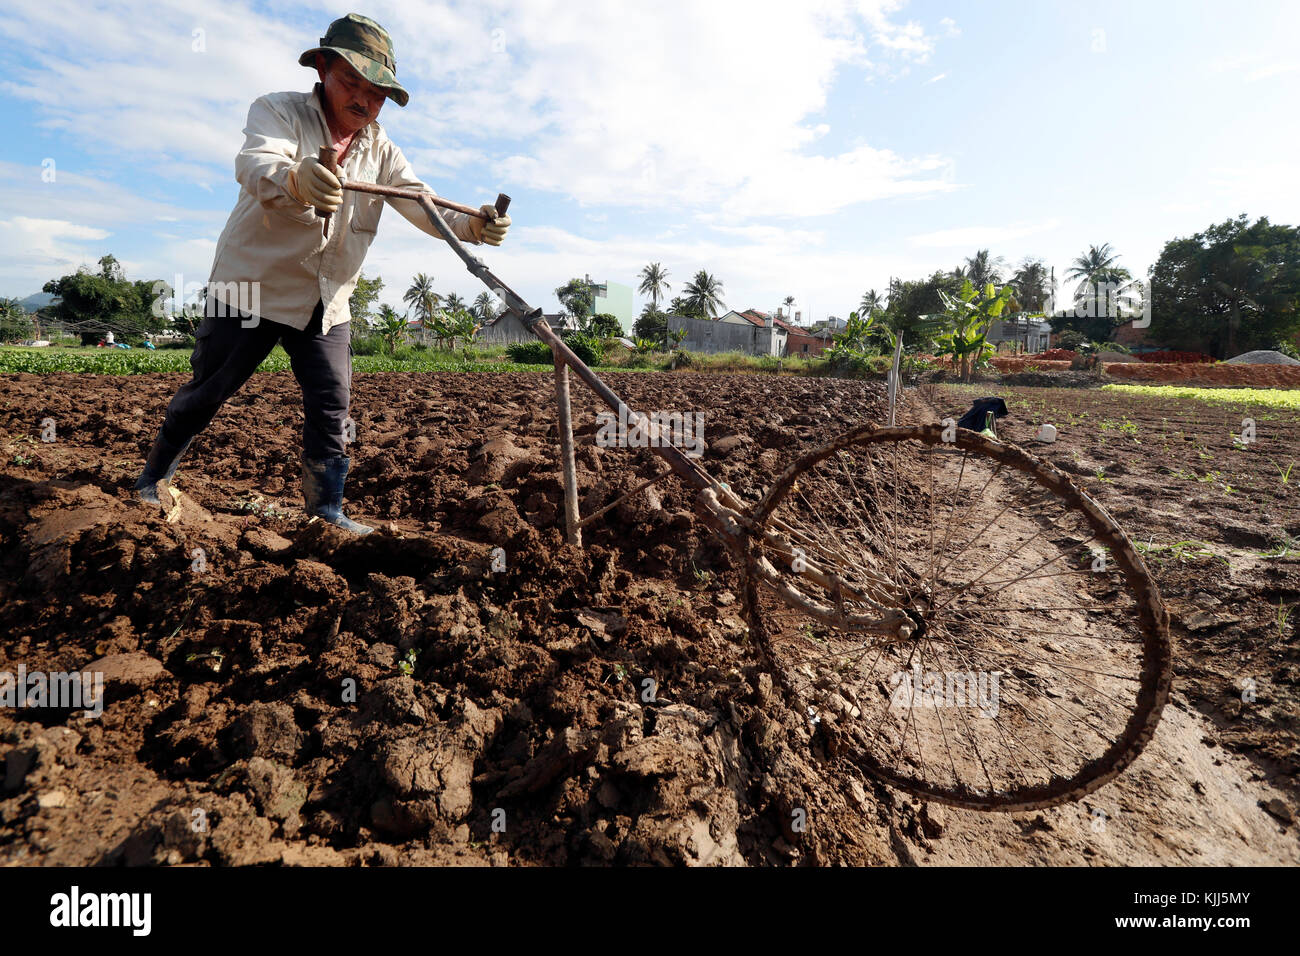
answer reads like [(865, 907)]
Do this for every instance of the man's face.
[(351, 100)]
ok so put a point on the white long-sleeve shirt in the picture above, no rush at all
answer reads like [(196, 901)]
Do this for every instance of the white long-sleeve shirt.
[(277, 242)]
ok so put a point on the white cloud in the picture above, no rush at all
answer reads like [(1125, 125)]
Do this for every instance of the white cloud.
[(935, 79), (675, 103), (41, 247), (680, 108)]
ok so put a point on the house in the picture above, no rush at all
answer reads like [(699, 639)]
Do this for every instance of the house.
[(613, 298), (734, 332), (1029, 333), (831, 323), (775, 343), (804, 343)]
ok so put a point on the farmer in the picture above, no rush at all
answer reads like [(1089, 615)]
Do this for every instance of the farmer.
[(277, 277)]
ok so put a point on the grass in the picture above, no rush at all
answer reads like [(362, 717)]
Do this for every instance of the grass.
[(1270, 397), (1179, 550), (1283, 613)]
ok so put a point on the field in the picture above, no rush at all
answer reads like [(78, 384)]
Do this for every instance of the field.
[(409, 698)]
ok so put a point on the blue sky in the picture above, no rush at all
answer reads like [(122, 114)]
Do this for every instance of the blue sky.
[(805, 149)]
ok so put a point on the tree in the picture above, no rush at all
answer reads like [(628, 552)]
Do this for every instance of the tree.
[(651, 324), (1032, 285), (452, 302), (1232, 288), (109, 298), (420, 297), (788, 302), (704, 295), (683, 307), (362, 303), (654, 283), (1102, 298), (856, 337), (604, 325), (912, 302), (578, 299), (872, 302), (14, 320), (485, 307), (456, 324), (969, 314), (982, 269), (391, 326)]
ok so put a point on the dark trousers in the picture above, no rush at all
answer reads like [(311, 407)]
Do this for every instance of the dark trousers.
[(226, 353)]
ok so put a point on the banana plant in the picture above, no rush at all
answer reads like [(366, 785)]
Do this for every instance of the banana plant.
[(969, 315), (857, 333)]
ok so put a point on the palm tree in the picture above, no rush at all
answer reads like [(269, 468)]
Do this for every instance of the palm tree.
[(1100, 276), (982, 269), (788, 302), (872, 302), (704, 294), (654, 282), (1032, 285), (451, 302), (485, 307), (391, 326), (1098, 264), (421, 297)]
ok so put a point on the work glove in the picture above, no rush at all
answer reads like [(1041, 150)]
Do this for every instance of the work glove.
[(493, 229), (311, 183)]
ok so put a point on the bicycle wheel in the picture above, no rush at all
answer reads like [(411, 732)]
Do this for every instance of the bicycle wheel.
[(971, 627)]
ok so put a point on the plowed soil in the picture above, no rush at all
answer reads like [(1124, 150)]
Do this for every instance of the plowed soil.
[(1190, 373), (279, 692)]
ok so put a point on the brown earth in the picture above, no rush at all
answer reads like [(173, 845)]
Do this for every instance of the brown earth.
[(290, 694), (1197, 374)]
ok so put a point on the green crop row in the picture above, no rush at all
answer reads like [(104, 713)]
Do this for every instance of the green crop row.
[(122, 362), (1272, 397)]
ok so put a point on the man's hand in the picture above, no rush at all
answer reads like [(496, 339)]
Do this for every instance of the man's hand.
[(313, 184), (493, 229)]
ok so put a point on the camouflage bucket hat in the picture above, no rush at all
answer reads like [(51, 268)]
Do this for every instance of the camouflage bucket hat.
[(367, 46)]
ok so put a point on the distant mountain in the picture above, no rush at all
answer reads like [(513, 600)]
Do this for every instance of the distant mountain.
[(37, 300)]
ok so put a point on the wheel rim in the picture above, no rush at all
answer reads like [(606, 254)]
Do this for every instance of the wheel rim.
[(1038, 659)]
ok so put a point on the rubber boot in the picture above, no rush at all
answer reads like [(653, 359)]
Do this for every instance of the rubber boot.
[(159, 466), (322, 488)]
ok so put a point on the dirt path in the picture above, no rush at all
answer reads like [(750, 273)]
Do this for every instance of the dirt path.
[(1061, 639), (1181, 803)]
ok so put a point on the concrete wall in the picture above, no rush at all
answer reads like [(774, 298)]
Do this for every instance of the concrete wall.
[(703, 335), (617, 301), (505, 331)]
